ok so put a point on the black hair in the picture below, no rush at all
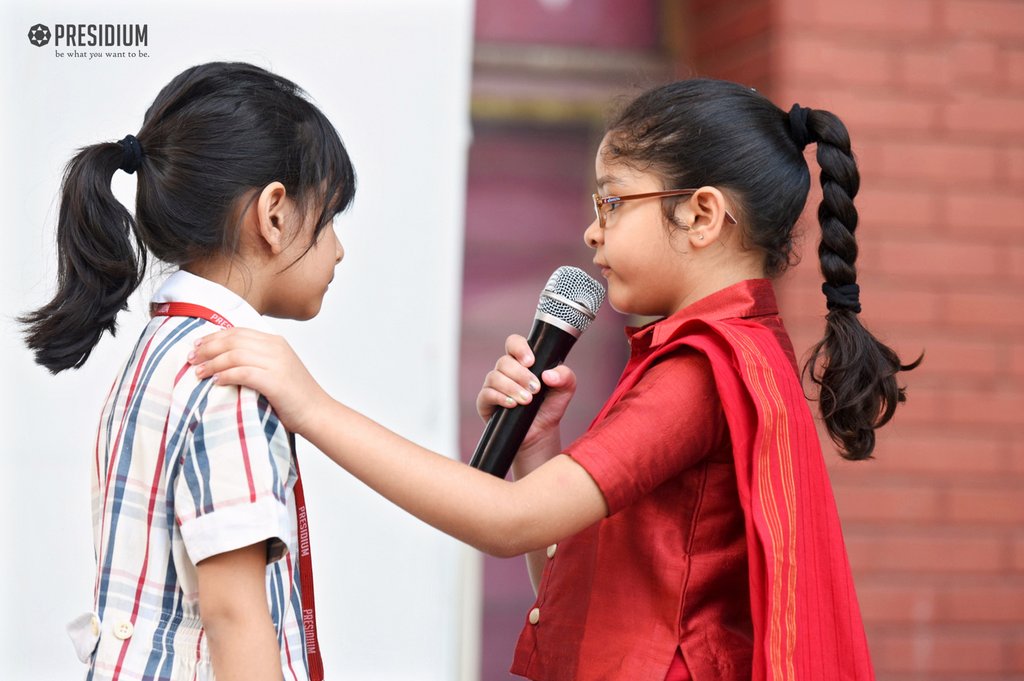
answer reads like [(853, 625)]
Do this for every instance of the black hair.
[(701, 132), (215, 134)]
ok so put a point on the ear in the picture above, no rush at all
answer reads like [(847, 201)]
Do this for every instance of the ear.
[(706, 212), (272, 207)]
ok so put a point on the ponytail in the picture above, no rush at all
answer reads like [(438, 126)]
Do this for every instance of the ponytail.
[(214, 135), (854, 371), (99, 263)]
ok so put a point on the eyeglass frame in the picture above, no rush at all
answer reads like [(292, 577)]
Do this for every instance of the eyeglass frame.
[(615, 200)]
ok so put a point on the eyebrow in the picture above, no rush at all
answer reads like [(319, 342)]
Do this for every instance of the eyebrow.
[(608, 179)]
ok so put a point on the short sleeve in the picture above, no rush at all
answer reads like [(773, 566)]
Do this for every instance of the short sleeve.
[(670, 420), (236, 475)]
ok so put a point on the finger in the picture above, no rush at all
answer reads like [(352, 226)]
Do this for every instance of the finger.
[(516, 372), (230, 359), (512, 392), (489, 399), (517, 346), (217, 343), (246, 376), (560, 378)]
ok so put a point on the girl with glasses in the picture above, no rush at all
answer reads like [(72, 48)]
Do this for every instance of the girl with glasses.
[(691, 532)]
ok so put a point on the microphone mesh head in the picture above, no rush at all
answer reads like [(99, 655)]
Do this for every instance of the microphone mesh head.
[(577, 286)]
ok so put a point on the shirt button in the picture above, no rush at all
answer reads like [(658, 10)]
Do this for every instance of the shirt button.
[(94, 622), (535, 616), (124, 630), (551, 550)]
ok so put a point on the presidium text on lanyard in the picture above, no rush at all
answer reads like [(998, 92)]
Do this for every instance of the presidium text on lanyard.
[(316, 665)]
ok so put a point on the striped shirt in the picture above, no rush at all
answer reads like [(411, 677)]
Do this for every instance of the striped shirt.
[(184, 470)]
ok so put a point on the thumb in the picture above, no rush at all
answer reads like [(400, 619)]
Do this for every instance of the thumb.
[(560, 379)]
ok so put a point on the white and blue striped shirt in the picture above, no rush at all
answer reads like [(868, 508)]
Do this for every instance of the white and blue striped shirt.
[(184, 470)]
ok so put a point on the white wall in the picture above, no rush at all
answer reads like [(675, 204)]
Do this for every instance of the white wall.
[(396, 599)]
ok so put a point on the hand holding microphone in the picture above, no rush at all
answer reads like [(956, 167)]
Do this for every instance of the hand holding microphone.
[(566, 307)]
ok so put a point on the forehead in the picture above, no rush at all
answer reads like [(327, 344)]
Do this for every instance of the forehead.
[(615, 173)]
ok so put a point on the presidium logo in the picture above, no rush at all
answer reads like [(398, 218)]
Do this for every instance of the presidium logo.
[(39, 35), (125, 39)]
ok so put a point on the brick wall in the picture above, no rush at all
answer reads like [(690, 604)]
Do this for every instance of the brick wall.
[(933, 94)]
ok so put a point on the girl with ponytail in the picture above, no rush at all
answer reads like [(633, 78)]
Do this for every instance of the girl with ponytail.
[(691, 533), (195, 485)]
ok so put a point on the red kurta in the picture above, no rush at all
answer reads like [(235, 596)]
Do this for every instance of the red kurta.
[(718, 500)]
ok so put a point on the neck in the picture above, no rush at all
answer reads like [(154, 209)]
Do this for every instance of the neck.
[(720, 273), (233, 275)]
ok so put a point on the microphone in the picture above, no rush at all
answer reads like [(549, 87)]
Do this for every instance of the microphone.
[(566, 307)]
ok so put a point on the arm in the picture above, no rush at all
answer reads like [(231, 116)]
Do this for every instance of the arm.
[(556, 499), (233, 607), (502, 518)]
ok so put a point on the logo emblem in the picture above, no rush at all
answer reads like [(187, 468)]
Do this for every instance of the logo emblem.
[(39, 35)]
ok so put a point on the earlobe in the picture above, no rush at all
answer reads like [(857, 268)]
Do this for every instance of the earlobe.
[(271, 208)]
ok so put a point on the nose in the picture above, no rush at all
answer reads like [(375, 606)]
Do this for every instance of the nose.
[(593, 235), (339, 250)]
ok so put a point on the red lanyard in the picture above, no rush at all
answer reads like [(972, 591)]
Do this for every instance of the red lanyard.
[(316, 664)]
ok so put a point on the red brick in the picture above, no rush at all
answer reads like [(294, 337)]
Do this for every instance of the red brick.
[(939, 653), (878, 16), (932, 455), (999, 602), (988, 114), (950, 357), (1015, 257), (909, 209), (1016, 455), (994, 310), (992, 407), (990, 505), (926, 554), (1012, 165), (989, 211), (1015, 163), (932, 258), (1013, 65), (897, 602), (1017, 653), (924, 68), (1017, 360), (997, 18), (939, 162), (873, 111), (811, 59), (975, 63), (898, 503), (887, 307), (1018, 555)]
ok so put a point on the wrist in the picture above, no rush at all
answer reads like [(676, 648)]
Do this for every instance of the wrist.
[(536, 454)]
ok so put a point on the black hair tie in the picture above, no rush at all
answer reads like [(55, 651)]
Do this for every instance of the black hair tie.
[(798, 129), (131, 154), (845, 297)]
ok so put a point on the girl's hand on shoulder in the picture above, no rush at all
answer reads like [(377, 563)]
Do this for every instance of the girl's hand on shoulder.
[(265, 363)]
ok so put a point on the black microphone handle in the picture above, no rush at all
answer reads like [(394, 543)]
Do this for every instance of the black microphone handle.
[(507, 428)]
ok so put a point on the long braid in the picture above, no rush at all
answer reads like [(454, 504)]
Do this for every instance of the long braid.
[(855, 372)]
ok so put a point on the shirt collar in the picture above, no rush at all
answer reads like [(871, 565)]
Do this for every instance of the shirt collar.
[(185, 287), (748, 298)]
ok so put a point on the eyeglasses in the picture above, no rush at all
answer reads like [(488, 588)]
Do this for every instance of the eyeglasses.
[(603, 205)]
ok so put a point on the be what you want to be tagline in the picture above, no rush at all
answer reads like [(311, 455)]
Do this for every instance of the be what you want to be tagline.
[(92, 41)]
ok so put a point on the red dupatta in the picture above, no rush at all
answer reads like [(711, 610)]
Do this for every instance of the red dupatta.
[(807, 624)]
